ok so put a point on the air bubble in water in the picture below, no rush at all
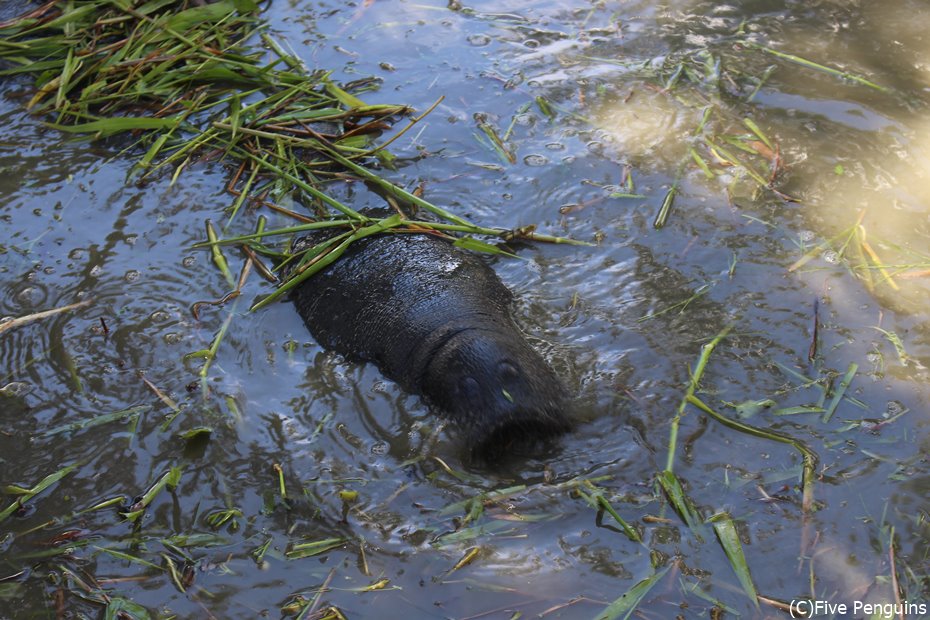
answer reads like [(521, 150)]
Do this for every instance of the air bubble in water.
[(893, 408), (535, 160), (29, 296)]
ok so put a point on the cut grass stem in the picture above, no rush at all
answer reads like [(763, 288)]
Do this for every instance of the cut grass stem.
[(696, 375), (808, 457)]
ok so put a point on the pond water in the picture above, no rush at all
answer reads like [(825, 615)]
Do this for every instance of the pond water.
[(606, 109)]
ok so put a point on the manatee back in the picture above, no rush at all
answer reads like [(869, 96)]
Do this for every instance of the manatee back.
[(392, 299)]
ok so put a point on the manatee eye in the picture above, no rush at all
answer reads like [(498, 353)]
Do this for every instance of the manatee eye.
[(508, 372), (468, 389)]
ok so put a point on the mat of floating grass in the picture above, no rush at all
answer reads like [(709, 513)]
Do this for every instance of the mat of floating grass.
[(192, 82)]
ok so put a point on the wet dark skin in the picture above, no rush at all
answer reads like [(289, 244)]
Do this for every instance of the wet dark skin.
[(436, 319)]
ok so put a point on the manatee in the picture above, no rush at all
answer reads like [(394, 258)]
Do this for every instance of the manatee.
[(436, 320)]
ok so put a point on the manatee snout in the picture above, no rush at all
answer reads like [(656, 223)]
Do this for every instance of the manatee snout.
[(499, 390)]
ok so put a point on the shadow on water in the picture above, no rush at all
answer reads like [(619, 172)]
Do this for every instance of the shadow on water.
[(305, 478)]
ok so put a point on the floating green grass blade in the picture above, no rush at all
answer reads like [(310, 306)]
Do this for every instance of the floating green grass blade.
[(128, 557), (218, 259), (735, 161), (106, 418), (798, 410), (179, 542), (680, 306), (41, 486), (740, 143), (897, 343), (624, 606), (729, 540), (111, 126), (804, 379), (108, 503), (750, 408), (496, 142), (840, 391), (210, 354), (330, 257), (218, 518), (316, 252), (628, 529), (705, 119), (70, 65), (317, 547), (708, 173), (322, 196), (397, 192), (243, 195), (665, 209), (694, 588), (682, 503), (476, 245), (343, 97), (173, 573), (819, 67), (696, 375), (154, 150), (545, 107), (44, 554), (759, 134), (27, 494), (288, 230), (168, 479), (473, 504), (468, 535), (119, 608), (809, 458), (598, 501)]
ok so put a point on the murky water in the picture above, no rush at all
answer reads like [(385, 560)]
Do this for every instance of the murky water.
[(642, 98)]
